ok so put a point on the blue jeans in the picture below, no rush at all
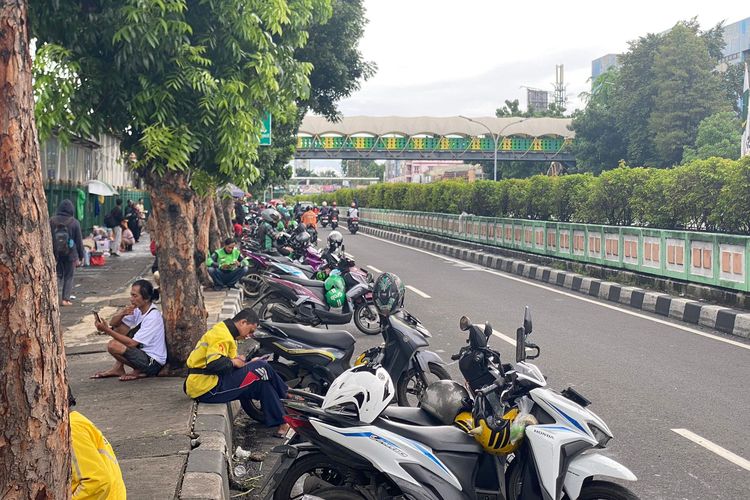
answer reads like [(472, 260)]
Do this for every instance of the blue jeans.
[(256, 380), (227, 278)]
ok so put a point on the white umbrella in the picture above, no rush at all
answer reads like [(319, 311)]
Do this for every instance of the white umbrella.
[(101, 188)]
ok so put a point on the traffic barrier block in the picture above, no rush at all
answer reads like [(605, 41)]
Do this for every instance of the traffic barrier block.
[(708, 315), (742, 325)]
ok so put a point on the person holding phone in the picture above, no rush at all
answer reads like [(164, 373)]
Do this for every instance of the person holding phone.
[(217, 374), (226, 266), (137, 333)]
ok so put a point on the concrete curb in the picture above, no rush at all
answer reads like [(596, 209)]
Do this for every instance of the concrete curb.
[(720, 318), (207, 472)]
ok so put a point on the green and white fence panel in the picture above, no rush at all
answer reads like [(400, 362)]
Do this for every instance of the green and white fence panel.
[(706, 258)]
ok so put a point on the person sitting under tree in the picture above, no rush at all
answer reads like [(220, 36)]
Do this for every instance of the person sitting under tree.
[(137, 333), (217, 374), (226, 265)]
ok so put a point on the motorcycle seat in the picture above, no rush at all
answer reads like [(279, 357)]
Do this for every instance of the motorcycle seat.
[(305, 282), (437, 437), (315, 336), (408, 415)]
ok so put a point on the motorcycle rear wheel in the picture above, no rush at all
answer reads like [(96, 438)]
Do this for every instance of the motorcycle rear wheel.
[(265, 310), (318, 466), (411, 384)]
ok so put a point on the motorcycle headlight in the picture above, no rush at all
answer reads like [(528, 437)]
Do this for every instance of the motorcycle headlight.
[(601, 436)]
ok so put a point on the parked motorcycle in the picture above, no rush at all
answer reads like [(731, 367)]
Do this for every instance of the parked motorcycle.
[(311, 358), (353, 224), (303, 301), (376, 452)]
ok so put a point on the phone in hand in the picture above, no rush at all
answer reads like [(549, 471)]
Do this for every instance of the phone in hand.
[(97, 317)]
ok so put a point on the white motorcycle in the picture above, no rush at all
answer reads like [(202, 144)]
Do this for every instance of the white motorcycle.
[(356, 446)]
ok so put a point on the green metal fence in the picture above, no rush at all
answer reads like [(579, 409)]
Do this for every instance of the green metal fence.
[(706, 258), (95, 207)]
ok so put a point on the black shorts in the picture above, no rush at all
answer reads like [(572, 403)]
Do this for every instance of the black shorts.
[(142, 362)]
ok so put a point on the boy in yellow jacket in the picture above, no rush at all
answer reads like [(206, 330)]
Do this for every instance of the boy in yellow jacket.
[(218, 375), (96, 473)]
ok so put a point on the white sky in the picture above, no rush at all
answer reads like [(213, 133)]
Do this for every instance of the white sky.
[(441, 57)]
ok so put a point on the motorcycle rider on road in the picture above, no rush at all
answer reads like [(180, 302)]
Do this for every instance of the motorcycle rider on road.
[(334, 210), (352, 211), (267, 235)]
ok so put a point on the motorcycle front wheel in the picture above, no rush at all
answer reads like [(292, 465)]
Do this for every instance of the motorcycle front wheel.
[(252, 284), (604, 490), (592, 490), (411, 386), (367, 319)]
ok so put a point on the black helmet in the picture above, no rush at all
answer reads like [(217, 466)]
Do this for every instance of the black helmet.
[(335, 239), (388, 293), (303, 238), (270, 215), (444, 400)]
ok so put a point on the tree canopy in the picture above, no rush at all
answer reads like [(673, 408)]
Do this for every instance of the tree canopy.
[(649, 108)]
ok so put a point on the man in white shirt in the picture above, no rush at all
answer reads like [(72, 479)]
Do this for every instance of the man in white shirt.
[(137, 336)]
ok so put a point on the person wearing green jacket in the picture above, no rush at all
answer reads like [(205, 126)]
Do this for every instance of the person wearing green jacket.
[(226, 265)]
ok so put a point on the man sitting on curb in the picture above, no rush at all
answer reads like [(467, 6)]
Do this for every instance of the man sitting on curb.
[(226, 265), (217, 374), (137, 333)]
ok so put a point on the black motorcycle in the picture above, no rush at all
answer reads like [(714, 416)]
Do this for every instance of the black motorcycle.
[(310, 358), (353, 224)]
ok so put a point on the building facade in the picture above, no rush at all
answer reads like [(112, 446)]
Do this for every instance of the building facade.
[(426, 171), (737, 39), (82, 160)]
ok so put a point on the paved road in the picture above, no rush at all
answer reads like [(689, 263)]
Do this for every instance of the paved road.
[(645, 375)]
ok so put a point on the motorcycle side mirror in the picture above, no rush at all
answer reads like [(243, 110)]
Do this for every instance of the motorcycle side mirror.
[(527, 327), (487, 330), (520, 345), (464, 323)]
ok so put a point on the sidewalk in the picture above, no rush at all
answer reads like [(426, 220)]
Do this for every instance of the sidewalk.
[(147, 420)]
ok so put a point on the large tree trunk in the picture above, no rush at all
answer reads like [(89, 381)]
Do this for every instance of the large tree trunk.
[(182, 299), (204, 208), (220, 220), (34, 429), (227, 205), (214, 234)]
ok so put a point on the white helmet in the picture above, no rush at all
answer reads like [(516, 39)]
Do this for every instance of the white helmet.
[(369, 389), (325, 204)]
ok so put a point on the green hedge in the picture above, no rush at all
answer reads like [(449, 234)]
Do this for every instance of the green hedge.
[(703, 195)]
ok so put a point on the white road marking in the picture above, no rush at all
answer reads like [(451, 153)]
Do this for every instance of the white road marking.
[(722, 452), (509, 340), (577, 297), (418, 292), (375, 269)]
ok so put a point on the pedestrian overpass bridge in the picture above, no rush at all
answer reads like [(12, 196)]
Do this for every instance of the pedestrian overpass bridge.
[(436, 138)]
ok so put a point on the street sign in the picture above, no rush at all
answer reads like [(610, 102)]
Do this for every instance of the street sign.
[(265, 134)]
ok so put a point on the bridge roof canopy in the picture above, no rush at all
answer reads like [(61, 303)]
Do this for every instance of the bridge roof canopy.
[(439, 126)]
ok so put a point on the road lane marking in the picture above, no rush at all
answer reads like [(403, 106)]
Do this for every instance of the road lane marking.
[(418, 292), (715, 448), (509, 340), (375, 269), (577, 297)]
